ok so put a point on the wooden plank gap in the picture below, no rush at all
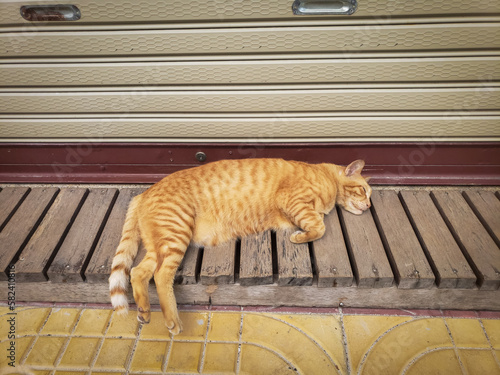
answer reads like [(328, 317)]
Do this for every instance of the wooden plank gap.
[(98, 236), (314, 266), (65, 233), (10, 201), (350, 254), (387, 248), (237, 260), (425, 249), (274, 256), (199, 263)]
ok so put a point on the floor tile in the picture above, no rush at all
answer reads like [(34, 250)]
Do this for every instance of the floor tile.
[(149, 356), (224, 326), (479, 362), (438, 362), (268, 331), (123, 325), (194, 326), (30, 321), (394, 350), (363, 330), (467, 333), (93, 322), (114, 354), (80, 352), (326, 330), (46, 351), (220, 358), (15, 352), (61, 321), (258, 360), (156, 328), (492, 328), (184, 357)]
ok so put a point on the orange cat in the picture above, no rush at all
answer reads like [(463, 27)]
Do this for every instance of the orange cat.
[(213, 203)]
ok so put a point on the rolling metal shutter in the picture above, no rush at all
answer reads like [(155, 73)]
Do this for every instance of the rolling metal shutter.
[(215, 71)]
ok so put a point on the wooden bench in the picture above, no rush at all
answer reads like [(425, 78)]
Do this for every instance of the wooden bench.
[(416, 248)]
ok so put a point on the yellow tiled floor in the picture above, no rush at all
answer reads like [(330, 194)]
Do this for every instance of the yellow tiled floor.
[(66, 340)]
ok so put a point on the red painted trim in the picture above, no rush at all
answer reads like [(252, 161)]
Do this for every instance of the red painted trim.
[(388, 163)]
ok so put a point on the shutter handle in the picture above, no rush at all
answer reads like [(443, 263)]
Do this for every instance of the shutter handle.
[(324, 7), (56, 12)]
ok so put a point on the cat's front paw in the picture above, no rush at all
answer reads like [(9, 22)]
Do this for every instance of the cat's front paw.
[(298, 237), (143, 316), (174, 327)]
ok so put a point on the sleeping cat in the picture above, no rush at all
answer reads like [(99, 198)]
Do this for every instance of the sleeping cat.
[(216, 202)]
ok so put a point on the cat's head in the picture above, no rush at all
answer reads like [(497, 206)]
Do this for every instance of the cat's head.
[(354, 192)]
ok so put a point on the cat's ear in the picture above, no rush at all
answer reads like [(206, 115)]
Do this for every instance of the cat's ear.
[(354, 168)]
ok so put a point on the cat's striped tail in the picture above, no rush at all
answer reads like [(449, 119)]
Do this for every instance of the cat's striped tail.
[(124, 258)]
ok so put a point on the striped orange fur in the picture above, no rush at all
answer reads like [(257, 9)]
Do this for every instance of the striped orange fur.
[(216, 202)]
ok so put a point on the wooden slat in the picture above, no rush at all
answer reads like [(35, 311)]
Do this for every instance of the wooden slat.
[(9, 199), (186, 273), (256, 260), (369, 261), (294, 260), (99, 266), (274, 295), (330, 255), (68, 264), (486, 205), (22, 224), (478, 246), (447, 261), (410, 266), (41, 248), (217, 266)]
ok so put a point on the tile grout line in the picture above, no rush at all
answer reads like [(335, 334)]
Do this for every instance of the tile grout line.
[(101, 342), (128, 362), (204, 348), (489, 342), (69, 336), (344, 339), (464, 372), (240, 335), (168, 354)]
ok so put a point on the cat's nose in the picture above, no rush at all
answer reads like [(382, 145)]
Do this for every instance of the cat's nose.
[(368, 205)]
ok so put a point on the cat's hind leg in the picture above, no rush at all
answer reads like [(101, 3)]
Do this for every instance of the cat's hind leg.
[(139, 278), (171, 256)]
